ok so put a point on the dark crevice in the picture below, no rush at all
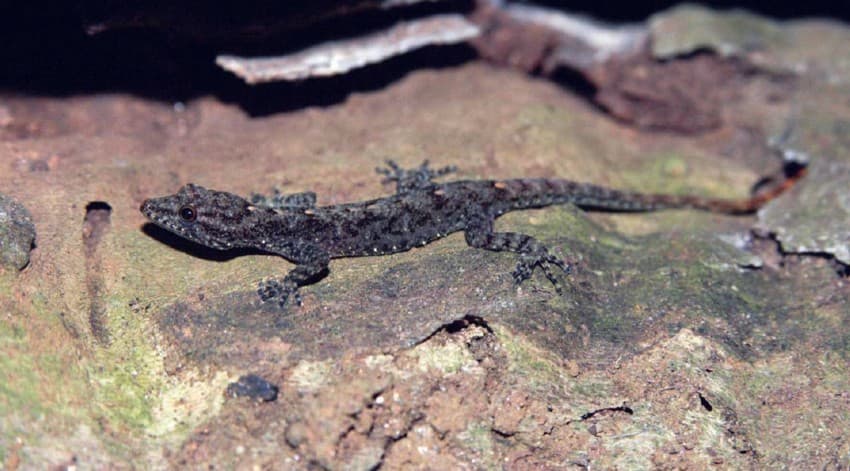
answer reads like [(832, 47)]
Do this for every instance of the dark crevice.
[(576, 83), (769, 241), (392, 440), (502, 434), (624, 408), (372, 403), (96, 223), (840, 268), (465, 322), (458, 325), (704, 402)]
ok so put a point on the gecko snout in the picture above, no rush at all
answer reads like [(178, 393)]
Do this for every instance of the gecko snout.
[(146, 207)]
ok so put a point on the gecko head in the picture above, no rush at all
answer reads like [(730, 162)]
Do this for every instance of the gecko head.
[(212, 218)]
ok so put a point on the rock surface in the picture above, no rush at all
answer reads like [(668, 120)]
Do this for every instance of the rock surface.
[(683, 340)]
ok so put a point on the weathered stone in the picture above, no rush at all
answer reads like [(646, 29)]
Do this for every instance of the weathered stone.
[(17, 233)]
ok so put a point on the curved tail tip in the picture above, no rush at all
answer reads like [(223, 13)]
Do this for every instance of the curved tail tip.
[(794, 169)]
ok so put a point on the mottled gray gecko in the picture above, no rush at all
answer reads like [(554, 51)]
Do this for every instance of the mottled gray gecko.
[(421, 211)]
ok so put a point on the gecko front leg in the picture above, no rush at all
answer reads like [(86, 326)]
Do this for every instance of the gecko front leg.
[(407, 180), (532, 253), (311, 265)]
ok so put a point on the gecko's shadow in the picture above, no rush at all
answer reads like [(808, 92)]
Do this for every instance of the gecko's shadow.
[(194, 249)]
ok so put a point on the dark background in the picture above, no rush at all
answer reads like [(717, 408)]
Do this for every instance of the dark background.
[(166, 49)]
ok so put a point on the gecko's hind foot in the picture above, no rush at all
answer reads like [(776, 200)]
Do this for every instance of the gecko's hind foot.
[(529, 261), (412, 179), (275, 291)]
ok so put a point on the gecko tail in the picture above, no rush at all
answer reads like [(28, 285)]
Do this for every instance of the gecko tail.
[(541, 192), (603, 199), (766, 190)]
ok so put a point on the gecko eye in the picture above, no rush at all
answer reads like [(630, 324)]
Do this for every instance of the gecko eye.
[(188, 213)]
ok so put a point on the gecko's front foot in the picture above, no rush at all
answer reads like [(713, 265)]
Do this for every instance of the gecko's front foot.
[(529, 261), (279, 292)]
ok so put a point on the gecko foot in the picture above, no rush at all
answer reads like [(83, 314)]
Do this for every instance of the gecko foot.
[(412, 179), (275, 291), (529, 261)]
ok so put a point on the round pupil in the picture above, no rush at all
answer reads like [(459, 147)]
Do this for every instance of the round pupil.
[(187, 213)]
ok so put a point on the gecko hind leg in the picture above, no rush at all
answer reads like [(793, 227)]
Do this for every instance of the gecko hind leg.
[(412, 179), (532, 253)]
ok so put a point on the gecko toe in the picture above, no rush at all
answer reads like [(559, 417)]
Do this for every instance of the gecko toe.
[(528, 262), (566, 267), (269, 289), (408, 180), (280, 292), (522, 271)]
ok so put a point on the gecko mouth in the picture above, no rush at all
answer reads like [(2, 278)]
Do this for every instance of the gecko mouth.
[(149, 209)]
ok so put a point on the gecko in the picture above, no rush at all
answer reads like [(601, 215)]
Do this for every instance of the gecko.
[(420, 212)]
